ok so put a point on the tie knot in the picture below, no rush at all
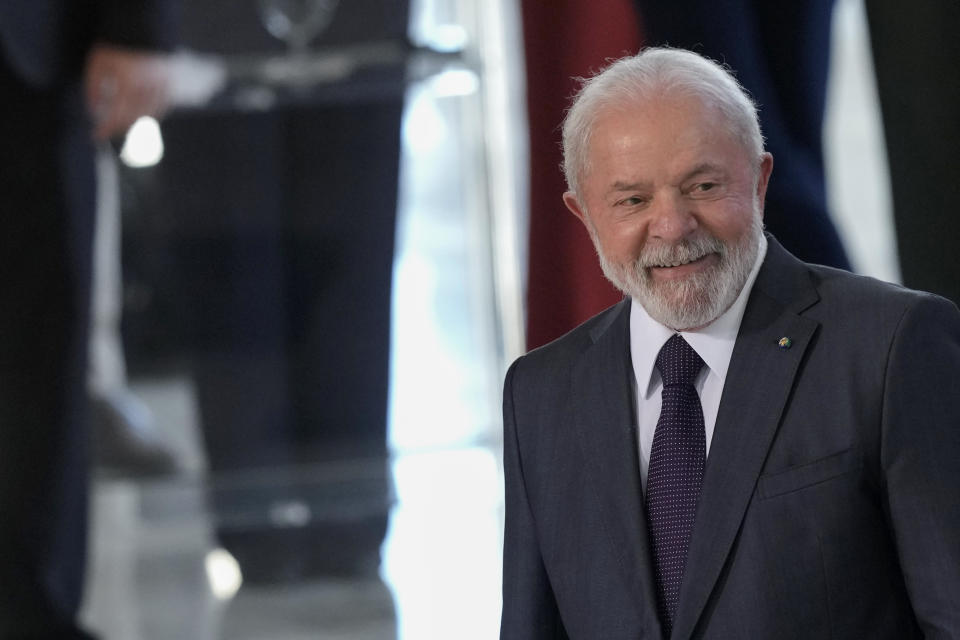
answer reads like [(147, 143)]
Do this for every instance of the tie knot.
[(678, 363)]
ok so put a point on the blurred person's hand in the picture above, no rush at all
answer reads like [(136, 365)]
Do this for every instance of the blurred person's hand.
[(123, 84)]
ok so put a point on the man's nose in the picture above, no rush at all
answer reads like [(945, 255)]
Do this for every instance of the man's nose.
[(673, 217)]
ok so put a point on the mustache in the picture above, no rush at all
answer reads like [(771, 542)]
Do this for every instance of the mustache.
[(687, 250)]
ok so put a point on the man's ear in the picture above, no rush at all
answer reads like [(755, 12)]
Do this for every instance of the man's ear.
[(570, 199), (763, 177)]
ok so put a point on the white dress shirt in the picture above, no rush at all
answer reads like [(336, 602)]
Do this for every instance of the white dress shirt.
[(714, 344)]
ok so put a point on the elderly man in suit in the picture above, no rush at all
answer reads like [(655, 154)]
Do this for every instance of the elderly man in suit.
[(71, 73), (747, 446)]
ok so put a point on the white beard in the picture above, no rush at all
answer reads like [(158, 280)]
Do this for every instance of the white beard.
[(695, 301)]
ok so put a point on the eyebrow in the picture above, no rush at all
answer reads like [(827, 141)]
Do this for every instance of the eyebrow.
[(620, 185), (700, 169)]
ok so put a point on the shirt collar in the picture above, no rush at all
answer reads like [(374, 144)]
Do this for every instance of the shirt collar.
[(714, 343)]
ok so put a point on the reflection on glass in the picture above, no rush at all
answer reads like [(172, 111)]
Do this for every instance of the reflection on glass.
[(441, 556), (223, 574), (442, 552), (143, 145), (297, 22)]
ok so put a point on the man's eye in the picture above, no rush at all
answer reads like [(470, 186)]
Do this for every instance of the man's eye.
[(632, 201), (704, 186)]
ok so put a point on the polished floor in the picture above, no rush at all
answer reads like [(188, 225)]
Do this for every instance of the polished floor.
[(158, 572)]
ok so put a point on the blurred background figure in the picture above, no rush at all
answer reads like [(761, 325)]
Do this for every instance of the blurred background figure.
[(279, 233), (70, 74), (331, 194)]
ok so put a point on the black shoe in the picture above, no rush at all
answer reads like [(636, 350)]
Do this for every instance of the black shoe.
[(125, 440)]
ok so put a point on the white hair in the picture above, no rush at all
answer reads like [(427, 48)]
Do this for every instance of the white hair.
[(655, 72)]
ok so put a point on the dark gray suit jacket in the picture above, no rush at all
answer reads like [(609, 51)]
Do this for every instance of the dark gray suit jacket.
[(831, 497)]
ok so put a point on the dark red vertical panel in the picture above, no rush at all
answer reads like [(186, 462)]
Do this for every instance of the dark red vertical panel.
[(564, 39)]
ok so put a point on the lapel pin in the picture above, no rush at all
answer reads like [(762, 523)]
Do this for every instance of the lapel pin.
[(785, 342)]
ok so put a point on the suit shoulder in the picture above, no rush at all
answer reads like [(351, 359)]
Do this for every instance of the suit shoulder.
[(561, 352), (858, 295)]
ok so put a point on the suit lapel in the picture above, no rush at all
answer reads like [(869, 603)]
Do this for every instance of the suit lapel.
[(605, 424), (759, 381)]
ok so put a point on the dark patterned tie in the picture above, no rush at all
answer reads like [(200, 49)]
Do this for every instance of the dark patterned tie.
[(675, 473)]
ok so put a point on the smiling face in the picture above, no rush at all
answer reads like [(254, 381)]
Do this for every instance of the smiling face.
[(673, 203)]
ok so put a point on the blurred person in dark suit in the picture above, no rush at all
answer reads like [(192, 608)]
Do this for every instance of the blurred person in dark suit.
[(781, 53), (747, 446), (70, 73)]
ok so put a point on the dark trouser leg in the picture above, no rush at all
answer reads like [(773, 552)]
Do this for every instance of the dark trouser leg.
[(46, 197)]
